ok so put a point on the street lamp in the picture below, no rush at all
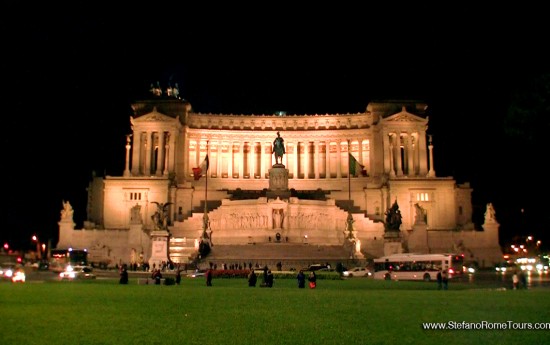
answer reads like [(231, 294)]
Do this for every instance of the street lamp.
[(38, 250)]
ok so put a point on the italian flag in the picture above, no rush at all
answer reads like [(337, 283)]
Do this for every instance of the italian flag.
[(355, 168), (203, 168)]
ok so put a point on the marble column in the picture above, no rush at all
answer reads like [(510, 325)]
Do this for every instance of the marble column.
[(327, 159), (339, 159), (160, 153), (148, 153), (136, 153)]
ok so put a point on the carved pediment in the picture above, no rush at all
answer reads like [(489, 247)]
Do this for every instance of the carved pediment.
[(404, 116), (153, 116)]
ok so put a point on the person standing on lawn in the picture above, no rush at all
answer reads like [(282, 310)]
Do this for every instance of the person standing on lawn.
[(301, 279), (312, 280), (208, 276)]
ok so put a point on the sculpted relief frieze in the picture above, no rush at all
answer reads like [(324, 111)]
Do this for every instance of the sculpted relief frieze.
[(268, 122)]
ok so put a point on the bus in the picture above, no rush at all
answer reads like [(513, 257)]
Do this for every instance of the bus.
[(62, 257), (408, 266)]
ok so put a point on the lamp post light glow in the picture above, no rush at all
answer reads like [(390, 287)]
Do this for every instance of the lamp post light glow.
[(38, 246)]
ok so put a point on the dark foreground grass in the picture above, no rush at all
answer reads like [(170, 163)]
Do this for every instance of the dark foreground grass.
[(355, 311)]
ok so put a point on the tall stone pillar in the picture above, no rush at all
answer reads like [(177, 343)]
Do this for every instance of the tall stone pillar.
[(316, 158), (392, 171), (431, 172), (296, 154), (262, 160), (327, 159), (127, 164), (397, 152), (160, 153), (410, 156), (306, 160), (339, 159), (219, 159), (148, 154), (136, 153), (166, 154), (240, 159), (387, 153), (422, 148)]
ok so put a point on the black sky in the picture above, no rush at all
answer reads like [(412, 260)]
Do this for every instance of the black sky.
[(69, 78)]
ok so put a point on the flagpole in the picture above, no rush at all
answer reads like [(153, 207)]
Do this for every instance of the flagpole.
[(349, 174), (206, 183), (206, 221), (349, 220)]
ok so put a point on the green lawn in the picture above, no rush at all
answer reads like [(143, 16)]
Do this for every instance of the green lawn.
[(355, 311)]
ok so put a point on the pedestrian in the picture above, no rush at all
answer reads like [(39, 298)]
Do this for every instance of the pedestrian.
[(312, 280), (208, 276), (445, 279), (252, 278), (157, 276), (264, 277), (123, 275), (523, 280), (439, 280), (269, 279), (178, 276), (301, 279), (515, 281)]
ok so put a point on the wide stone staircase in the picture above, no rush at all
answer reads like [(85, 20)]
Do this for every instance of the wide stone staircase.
[(290, 255)]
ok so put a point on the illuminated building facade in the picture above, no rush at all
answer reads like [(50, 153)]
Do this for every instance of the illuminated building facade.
[(334, 165)]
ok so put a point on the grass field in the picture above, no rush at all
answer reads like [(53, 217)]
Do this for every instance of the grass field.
[(354, 311)]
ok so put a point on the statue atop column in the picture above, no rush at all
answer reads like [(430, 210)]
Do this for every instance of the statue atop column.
[(279, 149), (160, 217), (67, 211), (490, 214)]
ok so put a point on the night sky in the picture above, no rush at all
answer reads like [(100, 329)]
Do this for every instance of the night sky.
[(69, 78)]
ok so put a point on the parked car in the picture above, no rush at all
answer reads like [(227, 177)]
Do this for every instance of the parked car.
[(77, 272), (357, 272), (314, 267)]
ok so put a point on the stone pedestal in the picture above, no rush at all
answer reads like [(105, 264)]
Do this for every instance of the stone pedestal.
[(418, 239), (391, 248), (66, 230), (392, 243), (278, 182), (159, 248)]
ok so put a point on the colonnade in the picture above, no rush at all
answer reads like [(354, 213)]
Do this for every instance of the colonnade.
[(253, 159)]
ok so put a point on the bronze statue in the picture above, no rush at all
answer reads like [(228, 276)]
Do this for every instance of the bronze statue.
[(160, 217), (393, 218), (279, 149)]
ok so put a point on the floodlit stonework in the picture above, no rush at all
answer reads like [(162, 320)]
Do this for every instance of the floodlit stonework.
[(306, 199)]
